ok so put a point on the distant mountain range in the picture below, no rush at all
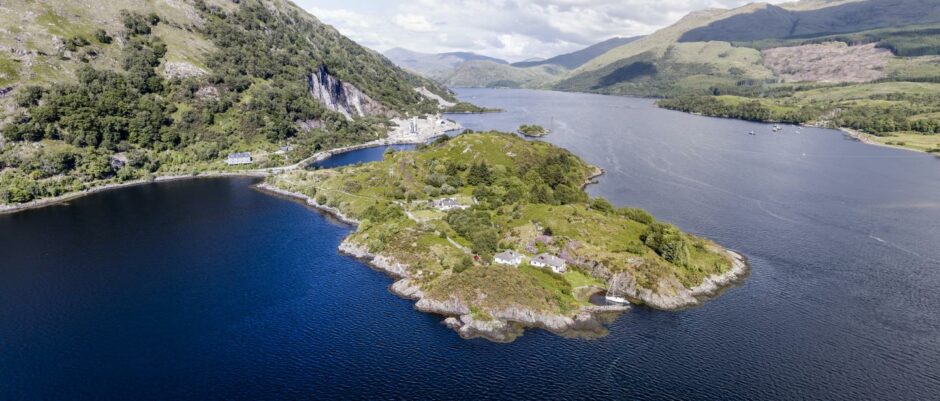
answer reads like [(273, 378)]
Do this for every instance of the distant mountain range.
[(461, 69), (435, 66)]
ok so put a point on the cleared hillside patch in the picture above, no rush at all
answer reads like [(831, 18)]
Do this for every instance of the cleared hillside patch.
[(828, 62)]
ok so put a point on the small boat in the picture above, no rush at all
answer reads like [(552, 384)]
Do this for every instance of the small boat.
[(752, 133), (616, 300)]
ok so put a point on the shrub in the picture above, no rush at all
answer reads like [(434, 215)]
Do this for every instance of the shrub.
[(638, 215), (670, 243)]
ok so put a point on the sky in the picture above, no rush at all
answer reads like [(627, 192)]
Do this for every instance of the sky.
[(513, 30)]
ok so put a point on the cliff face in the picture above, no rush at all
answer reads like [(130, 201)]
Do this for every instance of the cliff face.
[(342, 97)]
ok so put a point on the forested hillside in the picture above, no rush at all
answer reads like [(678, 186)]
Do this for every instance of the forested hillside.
[(93, 94)]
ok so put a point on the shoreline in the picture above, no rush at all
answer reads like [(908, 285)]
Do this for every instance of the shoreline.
[(256, 173), (508, 324), (866, 139), (64, 198)]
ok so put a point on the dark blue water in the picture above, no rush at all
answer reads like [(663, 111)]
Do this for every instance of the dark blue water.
[(209, 289), (359, 156)]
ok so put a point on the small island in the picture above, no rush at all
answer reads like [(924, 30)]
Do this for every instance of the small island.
[(469, 108), (497, 234), (533, 130)]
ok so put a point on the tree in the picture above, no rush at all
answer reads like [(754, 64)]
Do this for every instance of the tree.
[(480, 173), (670, 243)]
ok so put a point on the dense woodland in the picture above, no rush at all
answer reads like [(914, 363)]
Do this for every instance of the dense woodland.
[(252, 96), (899, 114)]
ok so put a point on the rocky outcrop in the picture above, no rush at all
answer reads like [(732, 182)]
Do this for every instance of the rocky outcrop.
[(182, 69), (441, 102), (671, 294), (342, 97)]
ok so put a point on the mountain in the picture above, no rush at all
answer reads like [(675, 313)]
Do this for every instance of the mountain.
[(868, 65), (725, 48), (576, 59), (472, 70), (435, 66), (775, 22), (95, 92), (487, 74)]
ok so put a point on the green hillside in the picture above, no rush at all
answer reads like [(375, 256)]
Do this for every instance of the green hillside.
[(173, 89), (771, 63)]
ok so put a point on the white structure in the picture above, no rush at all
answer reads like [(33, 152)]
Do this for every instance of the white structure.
[(238, 158), (558, 265), (509, 258), (413, 126), (447, 204)]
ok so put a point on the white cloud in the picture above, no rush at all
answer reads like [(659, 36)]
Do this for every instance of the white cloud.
[(510, 29), (413, 22)]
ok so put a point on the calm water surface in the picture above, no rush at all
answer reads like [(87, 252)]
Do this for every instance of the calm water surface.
[(209, 289)]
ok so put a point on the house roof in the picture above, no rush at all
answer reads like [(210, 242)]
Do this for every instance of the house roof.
[(507, 255), (550, 260), (239, 155)]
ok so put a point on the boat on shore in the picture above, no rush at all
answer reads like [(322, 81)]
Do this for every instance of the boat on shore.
[(616, 300)]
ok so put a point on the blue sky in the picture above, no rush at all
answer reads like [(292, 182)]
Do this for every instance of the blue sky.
[(509, 29)]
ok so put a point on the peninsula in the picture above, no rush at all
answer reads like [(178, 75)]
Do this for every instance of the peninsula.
[(497, 234)]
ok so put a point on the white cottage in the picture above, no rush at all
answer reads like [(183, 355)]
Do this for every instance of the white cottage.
[(558, 265), (447, 204), (509, 258), (235, 159)]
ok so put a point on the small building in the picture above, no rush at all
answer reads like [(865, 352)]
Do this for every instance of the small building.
[(558, 265), (446, 204), (283, 150), (509, 258), (235, 159), (118, 161)]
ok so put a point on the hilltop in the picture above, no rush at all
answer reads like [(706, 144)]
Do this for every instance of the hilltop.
[(435, 66), (96, 93), (461, 223)]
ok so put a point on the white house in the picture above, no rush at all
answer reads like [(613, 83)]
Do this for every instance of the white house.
[(238, 158), (558, 265), (446, 204), (509, 258)]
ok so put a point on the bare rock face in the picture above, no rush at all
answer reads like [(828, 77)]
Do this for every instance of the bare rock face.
[(342, 97)]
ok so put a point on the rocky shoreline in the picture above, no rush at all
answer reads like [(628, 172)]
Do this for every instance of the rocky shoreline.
[(506, 325), (673, 295)]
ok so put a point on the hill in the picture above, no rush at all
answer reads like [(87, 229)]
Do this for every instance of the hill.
[(576, 59), (435, 66), (774, 22), (98, 92), (717, 61), (473, 70), (437, 217), (487, 74)]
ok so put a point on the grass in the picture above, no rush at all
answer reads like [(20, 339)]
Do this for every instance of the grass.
[(9, 70), (423, 242)]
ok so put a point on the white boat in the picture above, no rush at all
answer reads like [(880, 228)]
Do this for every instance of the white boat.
[(616, 300)]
